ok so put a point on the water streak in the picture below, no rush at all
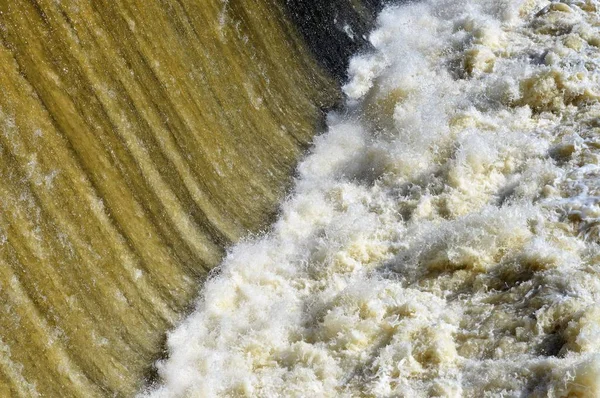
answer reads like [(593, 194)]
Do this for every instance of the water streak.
[(137, 138)]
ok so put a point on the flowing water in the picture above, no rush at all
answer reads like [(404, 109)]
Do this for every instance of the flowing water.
[(442, 237), (137, 139)]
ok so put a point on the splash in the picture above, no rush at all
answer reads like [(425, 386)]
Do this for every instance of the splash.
[(442, 236)]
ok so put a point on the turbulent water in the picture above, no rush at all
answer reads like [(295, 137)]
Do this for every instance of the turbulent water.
[(442, 238)]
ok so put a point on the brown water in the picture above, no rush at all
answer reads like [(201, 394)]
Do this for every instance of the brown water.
[(138, 138)]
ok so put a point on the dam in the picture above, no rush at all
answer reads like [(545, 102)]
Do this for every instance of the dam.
[(290, 199)]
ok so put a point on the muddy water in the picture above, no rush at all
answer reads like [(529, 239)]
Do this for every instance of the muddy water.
[(137, 140)]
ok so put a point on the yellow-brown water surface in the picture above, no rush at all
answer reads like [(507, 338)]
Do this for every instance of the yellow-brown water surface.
[(137, 140)]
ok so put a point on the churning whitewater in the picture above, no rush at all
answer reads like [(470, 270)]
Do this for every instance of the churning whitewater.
[(442, 238)]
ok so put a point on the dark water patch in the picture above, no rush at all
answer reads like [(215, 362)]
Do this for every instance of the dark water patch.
[(334, 30)]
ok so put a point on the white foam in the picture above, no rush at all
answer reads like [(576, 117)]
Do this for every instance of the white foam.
[(442, 237)]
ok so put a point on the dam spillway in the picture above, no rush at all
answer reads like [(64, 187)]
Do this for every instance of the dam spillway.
[(439, 238), (138, 140)]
